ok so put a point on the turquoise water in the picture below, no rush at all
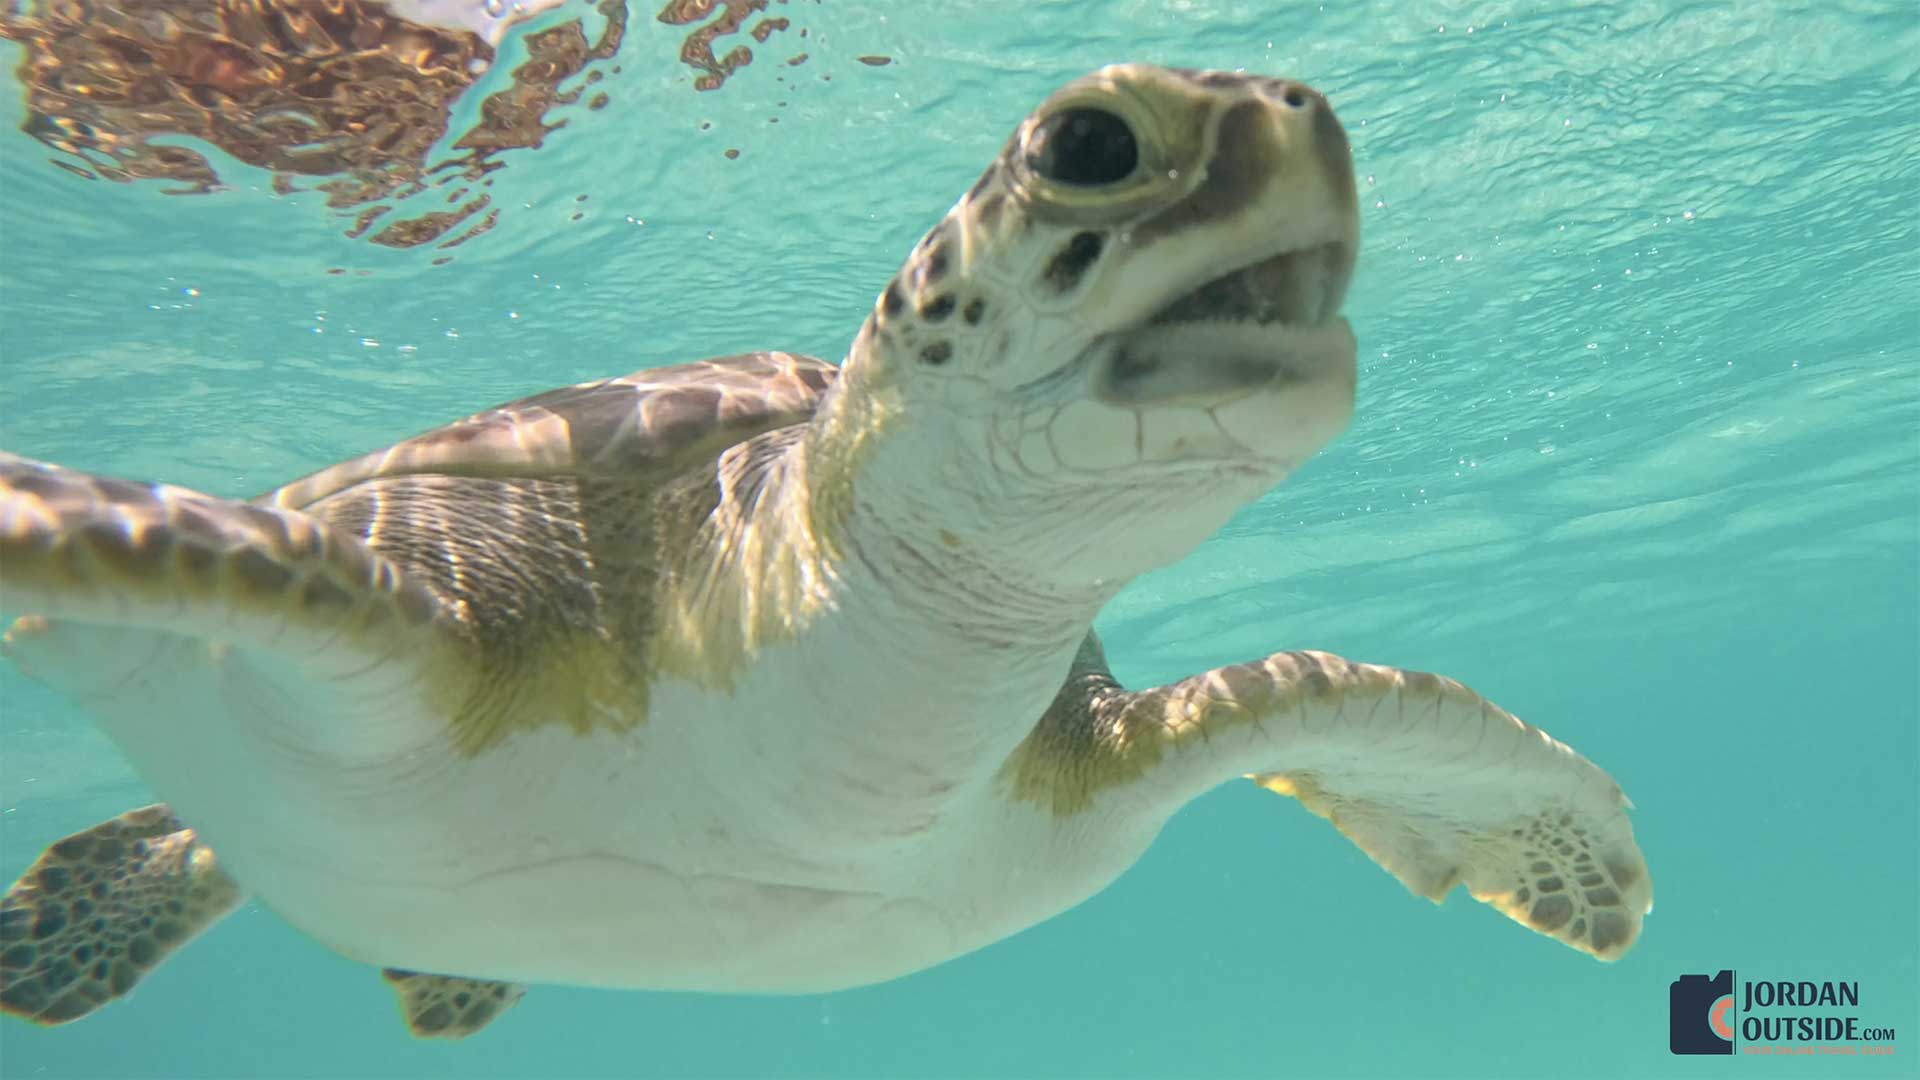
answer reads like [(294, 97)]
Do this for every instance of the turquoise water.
[(1637, 454)]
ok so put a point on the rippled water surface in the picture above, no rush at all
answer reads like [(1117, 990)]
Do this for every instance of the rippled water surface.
[(1637, 454)]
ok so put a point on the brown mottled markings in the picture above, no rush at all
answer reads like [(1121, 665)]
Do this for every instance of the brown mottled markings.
[(161, 556), (936, 354), (1549, 913), (987, 211), (449, 1007), (1610, 931), (935, 266), (102, 908), (938, 308), (974, 310), (1071, 262)]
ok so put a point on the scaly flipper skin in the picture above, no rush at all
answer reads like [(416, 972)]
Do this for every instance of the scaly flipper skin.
[(1435, 783), (98, 549), (102, 908), (105, 906), (448, 1007)]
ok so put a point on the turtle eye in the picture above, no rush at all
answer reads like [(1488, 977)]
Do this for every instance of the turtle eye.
[(1085, 147)]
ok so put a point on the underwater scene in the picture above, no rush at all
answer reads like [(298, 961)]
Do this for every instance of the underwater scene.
[(741, 718)]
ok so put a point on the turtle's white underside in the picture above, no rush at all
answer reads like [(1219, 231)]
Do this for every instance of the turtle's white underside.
[(697, 852)]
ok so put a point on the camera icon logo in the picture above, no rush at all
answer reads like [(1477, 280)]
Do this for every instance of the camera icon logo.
[(1700, 1014)]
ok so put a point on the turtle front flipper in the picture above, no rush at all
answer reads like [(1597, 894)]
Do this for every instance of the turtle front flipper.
[(447, 1006), (101, 909), (1435, 783), (177, 617), (101, 550)]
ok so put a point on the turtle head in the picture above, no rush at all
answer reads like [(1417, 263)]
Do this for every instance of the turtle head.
[(1130, 326)]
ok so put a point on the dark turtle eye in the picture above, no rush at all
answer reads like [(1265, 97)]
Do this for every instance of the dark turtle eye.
[(1085, 147)]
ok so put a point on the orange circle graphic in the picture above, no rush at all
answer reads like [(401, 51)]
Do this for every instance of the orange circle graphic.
[(1717, 1018)]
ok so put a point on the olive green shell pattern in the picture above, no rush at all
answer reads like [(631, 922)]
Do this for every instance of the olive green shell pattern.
[(560, 533), (655, 423)]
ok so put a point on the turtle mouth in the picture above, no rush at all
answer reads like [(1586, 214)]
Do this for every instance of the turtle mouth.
[(1304, 287), (1270, 322)]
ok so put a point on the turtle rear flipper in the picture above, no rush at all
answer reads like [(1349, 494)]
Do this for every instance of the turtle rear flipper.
[(102, 908), (448, 1006)]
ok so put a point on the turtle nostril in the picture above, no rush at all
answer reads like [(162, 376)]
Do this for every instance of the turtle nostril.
[(1295, 98)]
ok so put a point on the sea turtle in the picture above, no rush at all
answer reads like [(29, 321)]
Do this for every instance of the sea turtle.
[(762, 674)]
